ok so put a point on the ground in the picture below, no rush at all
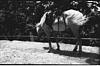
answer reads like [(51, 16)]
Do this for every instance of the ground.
[(25, 52)]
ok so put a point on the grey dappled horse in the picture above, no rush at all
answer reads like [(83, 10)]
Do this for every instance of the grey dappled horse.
[(70, 18)]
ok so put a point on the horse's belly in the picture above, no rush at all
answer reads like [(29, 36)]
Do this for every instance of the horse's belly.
[(59, 26)]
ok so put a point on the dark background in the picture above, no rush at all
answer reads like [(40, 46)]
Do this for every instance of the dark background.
[(18, 17)]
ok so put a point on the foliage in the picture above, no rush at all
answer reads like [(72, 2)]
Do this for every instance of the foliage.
[(18, 17)]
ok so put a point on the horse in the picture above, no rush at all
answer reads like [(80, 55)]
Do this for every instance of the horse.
[(70, 18)]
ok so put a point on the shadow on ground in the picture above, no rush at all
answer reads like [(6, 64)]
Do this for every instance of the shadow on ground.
[(93, 58)]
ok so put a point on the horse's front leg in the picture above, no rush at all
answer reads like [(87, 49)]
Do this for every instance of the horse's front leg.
[(50, 46), (57, 42), (47, 31)]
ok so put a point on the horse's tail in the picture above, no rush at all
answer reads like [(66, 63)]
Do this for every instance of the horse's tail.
[(38, 25)]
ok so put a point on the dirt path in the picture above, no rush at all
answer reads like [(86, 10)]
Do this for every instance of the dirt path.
[(24, 52)]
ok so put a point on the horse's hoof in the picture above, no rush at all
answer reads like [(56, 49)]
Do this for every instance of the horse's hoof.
[(79, 53)]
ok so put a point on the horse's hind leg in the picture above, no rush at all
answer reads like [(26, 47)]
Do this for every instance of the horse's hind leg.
[(58, 47), (75, 49), (75, 30), (80, 46)]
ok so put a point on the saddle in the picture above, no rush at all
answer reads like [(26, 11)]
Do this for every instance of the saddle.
[(59, 24)]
